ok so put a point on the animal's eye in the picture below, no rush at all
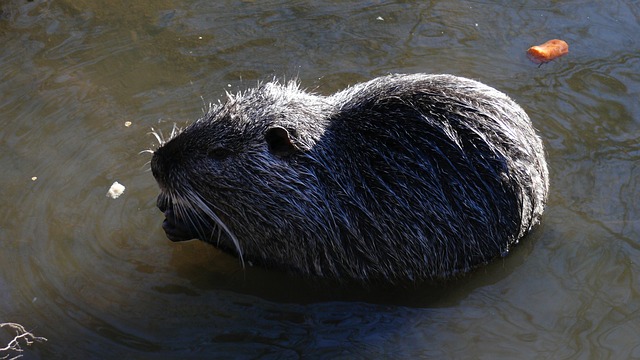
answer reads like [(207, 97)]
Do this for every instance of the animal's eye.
[(219, 153)]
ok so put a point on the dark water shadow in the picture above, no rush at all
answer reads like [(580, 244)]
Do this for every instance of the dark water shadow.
[(207, 269)]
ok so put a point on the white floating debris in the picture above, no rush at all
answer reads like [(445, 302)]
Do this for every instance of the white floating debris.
[(380, 18), (115, 190), (34, 178), (127, 123)]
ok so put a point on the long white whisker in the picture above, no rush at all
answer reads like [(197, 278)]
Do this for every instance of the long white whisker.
[(200, 204), (174, 131), (158, 135)]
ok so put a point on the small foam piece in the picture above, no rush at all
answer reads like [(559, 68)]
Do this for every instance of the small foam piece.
[(115, 190)]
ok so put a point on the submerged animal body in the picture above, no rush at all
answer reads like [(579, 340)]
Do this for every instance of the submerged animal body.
[(402, 178)]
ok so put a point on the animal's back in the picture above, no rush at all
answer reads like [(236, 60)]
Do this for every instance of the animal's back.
[(437, 174)]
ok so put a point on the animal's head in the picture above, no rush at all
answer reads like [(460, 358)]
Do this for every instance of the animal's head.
[(239, 161)]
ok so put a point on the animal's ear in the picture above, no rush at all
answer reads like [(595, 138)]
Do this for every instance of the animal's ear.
[(279, 141)]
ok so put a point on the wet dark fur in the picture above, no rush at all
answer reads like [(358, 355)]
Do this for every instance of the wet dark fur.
[(405, 177)]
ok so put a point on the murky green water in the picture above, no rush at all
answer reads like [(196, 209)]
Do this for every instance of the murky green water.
[(98, 278)]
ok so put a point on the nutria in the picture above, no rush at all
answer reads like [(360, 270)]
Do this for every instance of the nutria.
[(404, 177)]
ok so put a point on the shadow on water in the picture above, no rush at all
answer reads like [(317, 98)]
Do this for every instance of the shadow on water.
[(208, 269)]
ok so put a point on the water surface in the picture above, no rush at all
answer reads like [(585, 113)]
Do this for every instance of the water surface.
[(98, 278)]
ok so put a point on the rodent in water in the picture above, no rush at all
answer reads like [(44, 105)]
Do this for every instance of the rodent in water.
[(404, 177)]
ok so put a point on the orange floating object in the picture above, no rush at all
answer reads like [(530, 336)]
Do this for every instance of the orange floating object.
[(548, 51)]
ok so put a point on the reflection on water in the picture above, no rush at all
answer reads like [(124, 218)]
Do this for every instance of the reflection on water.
[(98, 278)]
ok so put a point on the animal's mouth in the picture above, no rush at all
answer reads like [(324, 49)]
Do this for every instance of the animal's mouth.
[(175, 227), (193, 219)]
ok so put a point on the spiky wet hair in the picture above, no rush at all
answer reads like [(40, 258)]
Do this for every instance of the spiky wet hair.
[(402, 177)]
